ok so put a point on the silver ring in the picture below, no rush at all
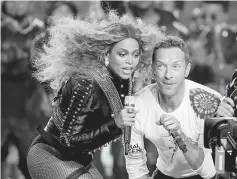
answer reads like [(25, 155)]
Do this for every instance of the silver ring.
[(130, 110)]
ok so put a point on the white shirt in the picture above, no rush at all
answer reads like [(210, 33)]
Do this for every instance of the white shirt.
[(171, 160)]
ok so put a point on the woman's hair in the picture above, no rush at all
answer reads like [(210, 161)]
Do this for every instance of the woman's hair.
[(76, 46)]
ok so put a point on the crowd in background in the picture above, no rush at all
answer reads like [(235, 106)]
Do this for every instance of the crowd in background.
[(211, 39)]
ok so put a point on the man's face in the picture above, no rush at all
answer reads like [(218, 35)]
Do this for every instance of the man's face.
[(213, 14), (170, 70)]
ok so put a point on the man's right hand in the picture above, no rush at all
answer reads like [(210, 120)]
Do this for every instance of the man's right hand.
[(226, 108), (125, 118)]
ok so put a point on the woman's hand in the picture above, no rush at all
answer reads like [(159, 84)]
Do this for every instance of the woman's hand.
[(126, 117), (226, 108)]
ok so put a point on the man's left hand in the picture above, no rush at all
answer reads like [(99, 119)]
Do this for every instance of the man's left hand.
[(171, 124)]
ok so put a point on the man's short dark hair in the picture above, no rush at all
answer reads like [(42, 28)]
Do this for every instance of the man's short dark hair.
[(172, 41), (224, 4)]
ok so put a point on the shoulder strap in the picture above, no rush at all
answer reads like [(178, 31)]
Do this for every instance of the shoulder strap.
[(109, 90)]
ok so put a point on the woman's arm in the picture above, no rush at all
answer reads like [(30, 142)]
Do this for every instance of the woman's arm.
[(76, 106)]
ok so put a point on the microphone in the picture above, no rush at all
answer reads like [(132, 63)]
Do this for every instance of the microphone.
[(129, 104), (179, 141)]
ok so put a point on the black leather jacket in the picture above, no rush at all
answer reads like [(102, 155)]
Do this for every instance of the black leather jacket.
[(93, 125)]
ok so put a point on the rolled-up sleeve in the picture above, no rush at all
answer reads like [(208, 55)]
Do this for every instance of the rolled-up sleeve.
[(136, 159), (207, 169)]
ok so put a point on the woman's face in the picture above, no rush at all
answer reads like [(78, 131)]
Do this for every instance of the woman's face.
[(124, 57)]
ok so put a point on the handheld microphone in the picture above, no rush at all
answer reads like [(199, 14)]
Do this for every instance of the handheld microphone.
[(179, 141), (129, 104)]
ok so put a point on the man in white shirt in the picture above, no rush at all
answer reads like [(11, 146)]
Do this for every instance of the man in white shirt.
[(171, 115)]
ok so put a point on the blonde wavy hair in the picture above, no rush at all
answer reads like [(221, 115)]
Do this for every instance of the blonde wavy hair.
[(76, 46)]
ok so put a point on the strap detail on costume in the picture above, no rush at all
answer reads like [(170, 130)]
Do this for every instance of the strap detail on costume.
[(58, 118), (66, 120), (204, 103), (109, 90)]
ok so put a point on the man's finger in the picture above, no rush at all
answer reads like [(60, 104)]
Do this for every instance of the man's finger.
[(164, 118), (172, 127), (224, 113), (230, 102), (168, 122), (220, 113), (228, 108)]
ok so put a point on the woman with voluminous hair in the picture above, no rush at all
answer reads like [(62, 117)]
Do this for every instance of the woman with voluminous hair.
[(90, 64)]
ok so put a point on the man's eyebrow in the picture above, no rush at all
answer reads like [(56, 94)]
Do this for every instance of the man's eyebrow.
[(177, 61), (122, 49), (158, 61)]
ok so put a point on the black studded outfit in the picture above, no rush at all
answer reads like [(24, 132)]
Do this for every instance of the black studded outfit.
[(82, 122)]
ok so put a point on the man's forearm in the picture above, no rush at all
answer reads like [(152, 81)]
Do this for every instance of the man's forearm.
[(194, 154)]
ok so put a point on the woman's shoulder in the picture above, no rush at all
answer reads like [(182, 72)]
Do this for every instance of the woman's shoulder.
[(75, 86), (77, 92)]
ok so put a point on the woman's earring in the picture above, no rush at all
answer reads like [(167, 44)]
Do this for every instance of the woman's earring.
[(106, 62)]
